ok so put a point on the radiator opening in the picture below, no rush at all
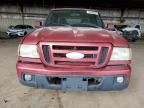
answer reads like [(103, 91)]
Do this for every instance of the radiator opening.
[(74, 63), (61, 55), (88, 48)]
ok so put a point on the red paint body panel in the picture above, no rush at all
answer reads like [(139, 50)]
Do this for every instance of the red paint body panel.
[(41, 69), (65, 35), (74, 34), (28, 60), (94, 65)]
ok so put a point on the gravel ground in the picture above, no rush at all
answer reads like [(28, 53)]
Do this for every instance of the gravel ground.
[(14, 95)]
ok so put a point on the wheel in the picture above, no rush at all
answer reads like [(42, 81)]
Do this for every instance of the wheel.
[(25, 33), (135, 34), (133, 40)]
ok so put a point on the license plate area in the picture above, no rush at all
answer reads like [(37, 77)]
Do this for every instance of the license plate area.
[(74, 84), (12, 33)]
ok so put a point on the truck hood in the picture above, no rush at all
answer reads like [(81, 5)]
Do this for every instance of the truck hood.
[(74, 34)]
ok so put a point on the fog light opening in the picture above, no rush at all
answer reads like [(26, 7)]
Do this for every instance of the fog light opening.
[(27, 77), (120, 79)]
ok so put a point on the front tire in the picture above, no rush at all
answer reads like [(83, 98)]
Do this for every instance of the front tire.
[(25, 33), (133, 40), (135, 35)]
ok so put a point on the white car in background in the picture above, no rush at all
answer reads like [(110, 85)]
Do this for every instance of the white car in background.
[(129, 32), (19, 30), (136, 30)]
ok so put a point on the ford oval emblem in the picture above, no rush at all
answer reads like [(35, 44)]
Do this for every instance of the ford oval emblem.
[(75, 55)]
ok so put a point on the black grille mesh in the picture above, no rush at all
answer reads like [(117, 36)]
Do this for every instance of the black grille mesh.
[(46, 53)]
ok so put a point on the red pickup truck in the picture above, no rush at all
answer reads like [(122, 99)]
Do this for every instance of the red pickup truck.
[(73, 51)]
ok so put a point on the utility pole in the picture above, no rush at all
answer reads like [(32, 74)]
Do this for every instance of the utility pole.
[(21, 6), (139, 17), (122, 15)]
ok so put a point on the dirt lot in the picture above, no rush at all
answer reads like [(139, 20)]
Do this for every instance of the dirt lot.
[(14, 95)]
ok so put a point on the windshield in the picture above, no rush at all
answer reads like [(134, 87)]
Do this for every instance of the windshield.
[(120, 27), (20, 27), (75, 18)]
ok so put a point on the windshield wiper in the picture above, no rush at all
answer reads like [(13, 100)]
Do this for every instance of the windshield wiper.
[(86, 25), (75, 25), (59, 25)]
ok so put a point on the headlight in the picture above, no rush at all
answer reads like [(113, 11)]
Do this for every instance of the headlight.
[(121, 54), (28, 51)]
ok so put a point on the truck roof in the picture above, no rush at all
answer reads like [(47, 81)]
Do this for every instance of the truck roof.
[(74, 9)]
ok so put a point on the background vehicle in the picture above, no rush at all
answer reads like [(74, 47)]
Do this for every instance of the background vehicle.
[(74, 52), (19, 30), (129, 32)]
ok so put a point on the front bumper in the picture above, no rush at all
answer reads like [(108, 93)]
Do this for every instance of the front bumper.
[(15, 33), (74, 79)]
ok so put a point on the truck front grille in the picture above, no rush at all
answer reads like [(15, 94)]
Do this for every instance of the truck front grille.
[(95, 54)]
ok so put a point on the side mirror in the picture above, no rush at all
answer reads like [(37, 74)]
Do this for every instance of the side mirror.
[(110, 26), (37, 24)]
